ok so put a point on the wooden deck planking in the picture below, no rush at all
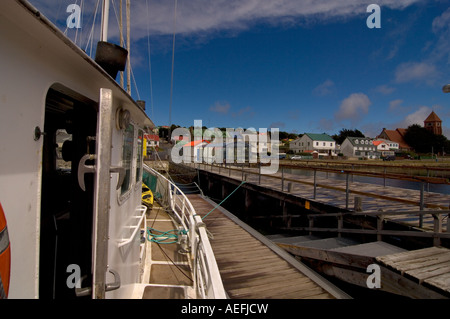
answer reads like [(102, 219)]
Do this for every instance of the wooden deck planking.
[(167, 274), (430, 266), (250, 269)]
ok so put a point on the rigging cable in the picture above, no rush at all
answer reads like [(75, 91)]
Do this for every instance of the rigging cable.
[(173, 63), (121, 36), (149, 60), (91, 34), (120, 24), (128, 10), (243, 182)]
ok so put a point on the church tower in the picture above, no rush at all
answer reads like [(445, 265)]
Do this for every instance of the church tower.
[(433, 123)]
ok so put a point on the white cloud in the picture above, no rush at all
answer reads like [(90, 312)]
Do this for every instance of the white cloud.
[(220, 107), (384, 89), (324, 89), (419, 114), (395, 105), (417, 117), (244, 113), (353, 108), (442, 21), (205, 16), (441, 27), (416, 72)]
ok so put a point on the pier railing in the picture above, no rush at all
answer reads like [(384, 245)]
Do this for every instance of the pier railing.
[(244, 171), (437, 234), (252, 174), (193, 237)]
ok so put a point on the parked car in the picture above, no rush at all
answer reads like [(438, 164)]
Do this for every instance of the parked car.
[(389, 158), (296, 157)]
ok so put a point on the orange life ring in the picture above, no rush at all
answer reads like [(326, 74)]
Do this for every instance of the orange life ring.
[(5, 256)]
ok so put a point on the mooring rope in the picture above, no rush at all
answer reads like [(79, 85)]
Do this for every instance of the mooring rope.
[(243, 182)]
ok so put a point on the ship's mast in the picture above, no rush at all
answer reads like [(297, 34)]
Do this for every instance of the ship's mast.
[(104, 36), (128, 47), (105, 21)]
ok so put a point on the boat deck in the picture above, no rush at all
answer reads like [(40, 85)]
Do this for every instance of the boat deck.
[(251, 266), (167, 274)]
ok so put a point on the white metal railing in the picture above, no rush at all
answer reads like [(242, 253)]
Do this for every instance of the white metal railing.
[(207, 280), (135, 227)]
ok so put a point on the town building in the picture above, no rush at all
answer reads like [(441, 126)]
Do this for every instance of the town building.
[(360, 147), (433, 123), (152, 141), (385, 147), (193, 151), (396, 136), (322, 144)]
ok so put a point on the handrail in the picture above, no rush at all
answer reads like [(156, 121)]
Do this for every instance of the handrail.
[(207, 280), (136, 228), (423, 179), (314, 183), (436, 234)]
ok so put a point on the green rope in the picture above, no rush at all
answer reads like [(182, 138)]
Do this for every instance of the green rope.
[(164, 237), (223, 200)]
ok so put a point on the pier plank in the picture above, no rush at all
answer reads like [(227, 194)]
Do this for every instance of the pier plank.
[(430, 266), (442, 281)]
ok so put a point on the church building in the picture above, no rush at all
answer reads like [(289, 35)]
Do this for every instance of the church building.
[(433, 123)]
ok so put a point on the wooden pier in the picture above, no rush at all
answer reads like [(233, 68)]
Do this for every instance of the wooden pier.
[(364, 214), (251, 266), (350, 195)]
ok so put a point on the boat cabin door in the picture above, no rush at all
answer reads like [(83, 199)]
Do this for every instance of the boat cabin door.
[(76, 171), (102, 187), (66, 220)]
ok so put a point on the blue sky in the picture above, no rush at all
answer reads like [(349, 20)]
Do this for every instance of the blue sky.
[(300, 66)]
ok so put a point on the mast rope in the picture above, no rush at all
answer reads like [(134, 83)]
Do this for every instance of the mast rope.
[(173, 65), (218, 205), (149, 60)]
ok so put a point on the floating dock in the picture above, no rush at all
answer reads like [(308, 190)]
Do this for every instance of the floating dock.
[(422, 273)]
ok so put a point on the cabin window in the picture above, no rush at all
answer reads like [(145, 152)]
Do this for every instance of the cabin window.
[(127, 156), (140, 148)]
